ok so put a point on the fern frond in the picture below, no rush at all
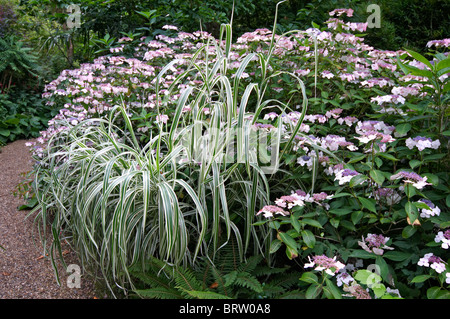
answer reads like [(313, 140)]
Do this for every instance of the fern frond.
[(159, 293), (271, 290), (251, 264), (206, 295), (293, 294), (185, 278), (246, 280), (152, 279), (286, 280), (264, 270)]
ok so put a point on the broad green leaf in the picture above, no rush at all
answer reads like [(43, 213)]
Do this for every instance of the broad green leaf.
[(357, 159), (295, 223), (367, 277), (291, 253), (308, 238), (437, 293), (274, 246), (377, 176), (408, 231), (368, 203), (313, 291), (341, 211), (434, 157), (288, 240), (334, 222), (356, 217), (411, 211), (311, 222), (442, 66), (357, 180), (403, 128), (396, 255), (421, 278), (410, 190), (387, 156), (414, 163), (332, 290), (384, 270), (420, 58), (414, 70), (379, 290), (421, 205), (359, 253), (309, 277)]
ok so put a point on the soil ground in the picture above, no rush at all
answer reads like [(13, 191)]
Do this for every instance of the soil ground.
[(24, 272)]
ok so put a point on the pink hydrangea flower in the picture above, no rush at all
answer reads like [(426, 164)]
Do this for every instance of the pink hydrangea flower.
[(162, 118), (345, 175), (289, 201), (322, 262), (435, 262), (422, 143), (374, 243), (415, 179), (269, 211), (444, 238), (340, 11), (433, 211), (439, 43)]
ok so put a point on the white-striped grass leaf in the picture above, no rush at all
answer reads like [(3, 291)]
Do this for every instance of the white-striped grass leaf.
[(175, 122)]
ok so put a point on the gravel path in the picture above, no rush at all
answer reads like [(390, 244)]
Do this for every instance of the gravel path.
[(24, 273)]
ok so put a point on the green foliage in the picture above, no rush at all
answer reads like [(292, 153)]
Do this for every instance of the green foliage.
[(22, 115), (8, 17), (16, 62), (225, 279)]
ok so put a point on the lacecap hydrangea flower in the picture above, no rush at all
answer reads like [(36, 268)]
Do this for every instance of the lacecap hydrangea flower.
[(374, 243), (430, 260), (345, 175), (444, 238), (427, 213), (270, 210), (422, 143), (415, 179), (322, 262)]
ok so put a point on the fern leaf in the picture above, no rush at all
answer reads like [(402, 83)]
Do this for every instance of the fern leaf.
[(159, 293), (206, 295), (230, 278), (293, 294), (152, 280), (186, 279), (268, 271), (251, 264), (244, 279), (271, 290)]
